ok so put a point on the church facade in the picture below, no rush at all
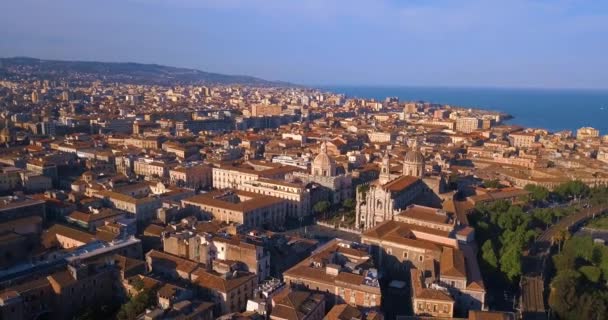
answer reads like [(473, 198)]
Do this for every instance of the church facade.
[(380, 200)]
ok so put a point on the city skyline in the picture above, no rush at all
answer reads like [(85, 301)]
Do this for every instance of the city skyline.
[(436, 43)]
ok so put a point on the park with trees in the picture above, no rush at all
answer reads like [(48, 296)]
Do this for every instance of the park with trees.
[(505, 230), (578, 290)]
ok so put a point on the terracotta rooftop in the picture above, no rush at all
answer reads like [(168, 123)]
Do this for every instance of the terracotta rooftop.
[(427, 214), (296, 305), (401, 183), (344, 312), (452, 263), (215, 281), (49, 237), (421, 292), (257, 201), (404, 234)]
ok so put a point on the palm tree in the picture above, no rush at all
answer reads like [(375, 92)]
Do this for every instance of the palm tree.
[(560, 237)]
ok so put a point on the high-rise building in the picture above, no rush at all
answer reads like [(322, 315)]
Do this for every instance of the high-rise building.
[(467, 124), (35, 96), (587, 133)]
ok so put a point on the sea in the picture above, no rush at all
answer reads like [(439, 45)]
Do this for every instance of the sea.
[(550, 109)]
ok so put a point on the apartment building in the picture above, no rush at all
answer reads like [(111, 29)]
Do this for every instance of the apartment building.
[(152, 168), (523, 139), (296, 195), (152, 143), (194, 176), (60, 294), (587, 133), (237, 206), (429, 302), (228, 176), (467, 124), (205, 248), (143, 209), (263, 110), (339, 269), (229, 287)]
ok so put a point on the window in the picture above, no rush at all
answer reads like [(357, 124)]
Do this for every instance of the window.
[(405, 254), (420, 258)]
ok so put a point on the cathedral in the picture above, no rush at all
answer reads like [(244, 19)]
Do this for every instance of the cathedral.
[(383, 198), (324, 173)]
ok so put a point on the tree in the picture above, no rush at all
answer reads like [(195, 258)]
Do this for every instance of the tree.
[(137, 305), (489, 255), (560, 237), (578, 290), (544, 216), (572, 189), (348, 204), (563, 297), (97, 312), (537, 193), (493, 183), (513, 218), (321, 207), (592, 273), (510, 262), (592, 305)]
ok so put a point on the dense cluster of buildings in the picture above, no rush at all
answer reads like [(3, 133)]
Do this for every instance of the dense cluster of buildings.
[(109, 190)]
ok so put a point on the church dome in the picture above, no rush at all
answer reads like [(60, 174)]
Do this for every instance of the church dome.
[(414, 156), (323, 160), (413, 164), (323, 164)]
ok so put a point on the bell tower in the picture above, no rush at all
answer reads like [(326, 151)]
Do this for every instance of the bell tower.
[(385, 169)]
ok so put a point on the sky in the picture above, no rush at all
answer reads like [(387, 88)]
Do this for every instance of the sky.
[(462, 43)]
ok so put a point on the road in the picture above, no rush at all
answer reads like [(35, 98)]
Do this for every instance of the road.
[(532, 299), (322, 234)]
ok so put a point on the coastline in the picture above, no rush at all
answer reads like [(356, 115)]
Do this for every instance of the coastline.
[(553, 110)]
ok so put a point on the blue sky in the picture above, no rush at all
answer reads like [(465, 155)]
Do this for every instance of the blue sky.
[(510, 43)]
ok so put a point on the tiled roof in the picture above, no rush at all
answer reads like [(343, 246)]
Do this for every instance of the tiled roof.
[(421, 292), (49, 237), (256, 201), (401, 183), (452, 263), (344, 312), (213, 280)]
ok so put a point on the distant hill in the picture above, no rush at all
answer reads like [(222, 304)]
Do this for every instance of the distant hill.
[(127, 72)]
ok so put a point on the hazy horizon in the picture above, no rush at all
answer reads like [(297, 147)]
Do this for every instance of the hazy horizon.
[(535, 44)]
